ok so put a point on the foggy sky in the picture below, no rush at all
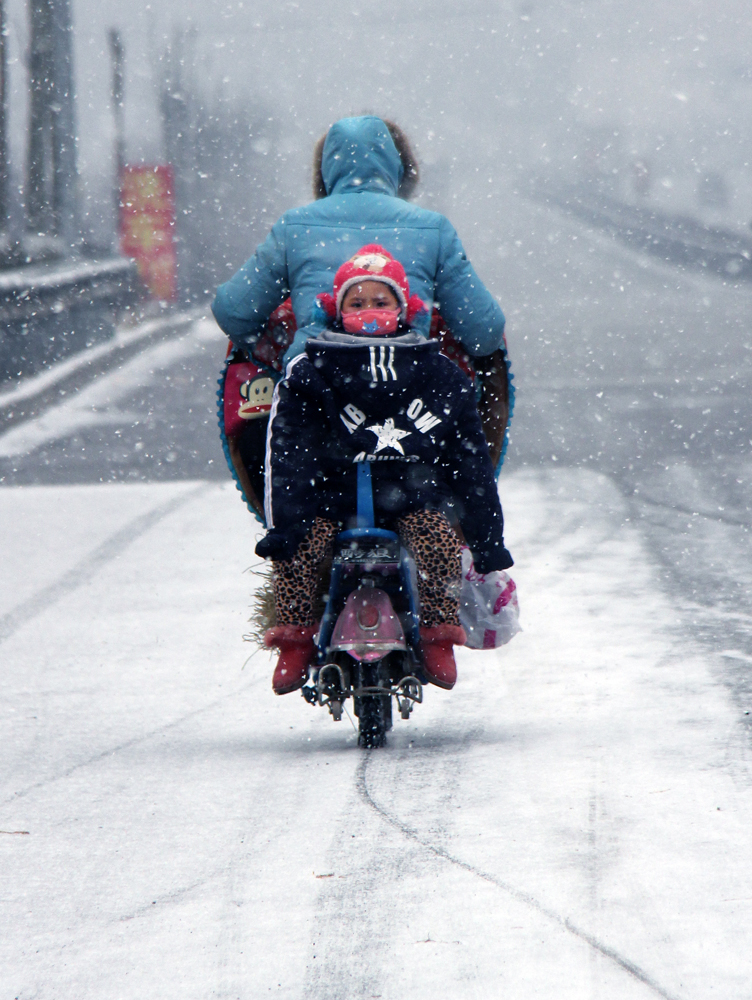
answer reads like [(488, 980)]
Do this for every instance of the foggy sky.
[(510, 85)]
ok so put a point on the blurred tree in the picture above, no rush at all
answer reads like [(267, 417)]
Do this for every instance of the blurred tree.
[(223, 153), (3, 138), (117, 56), (51, 178)]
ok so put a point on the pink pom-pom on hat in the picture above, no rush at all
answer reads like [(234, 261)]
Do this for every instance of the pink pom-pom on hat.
[(372, 263)]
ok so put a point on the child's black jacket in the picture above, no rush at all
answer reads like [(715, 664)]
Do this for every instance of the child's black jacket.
[(403, 407)]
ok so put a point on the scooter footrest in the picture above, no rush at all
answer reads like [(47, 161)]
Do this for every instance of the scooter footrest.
[(411, 688), (331, 684)]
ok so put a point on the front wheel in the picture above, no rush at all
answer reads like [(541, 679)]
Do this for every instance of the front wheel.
[(375, 718), (374, 711)]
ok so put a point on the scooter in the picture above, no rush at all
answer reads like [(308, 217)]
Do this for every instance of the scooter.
[(368, 646), (368, 643)]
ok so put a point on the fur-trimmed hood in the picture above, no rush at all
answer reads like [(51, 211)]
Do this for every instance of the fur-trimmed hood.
[(364, 154)]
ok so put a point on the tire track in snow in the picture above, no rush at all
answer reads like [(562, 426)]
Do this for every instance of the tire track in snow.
[(679, 508), (357, 910), (84, 570), (349, 947), (361, 782)]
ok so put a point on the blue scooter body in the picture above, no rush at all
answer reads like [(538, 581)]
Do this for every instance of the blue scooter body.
[(373, 562)]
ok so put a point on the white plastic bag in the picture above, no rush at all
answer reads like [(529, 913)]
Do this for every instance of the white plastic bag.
[(489, 611)]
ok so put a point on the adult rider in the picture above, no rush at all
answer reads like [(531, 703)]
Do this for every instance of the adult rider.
[(362, 176)]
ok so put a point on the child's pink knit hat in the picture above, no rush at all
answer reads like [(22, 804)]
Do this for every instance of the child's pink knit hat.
[(372, 263)]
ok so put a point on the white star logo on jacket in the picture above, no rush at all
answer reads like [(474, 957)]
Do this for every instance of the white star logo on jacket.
[(388, 435)]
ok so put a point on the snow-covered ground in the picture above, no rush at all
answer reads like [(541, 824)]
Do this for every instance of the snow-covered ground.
[(98, 403), (573, 820)]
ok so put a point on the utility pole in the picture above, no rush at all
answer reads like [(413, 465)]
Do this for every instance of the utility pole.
[(38, 188), (117, 53), (3, 138), (65, 183), (51, 180)]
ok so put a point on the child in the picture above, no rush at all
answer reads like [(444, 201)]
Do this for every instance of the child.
[(371, 389)]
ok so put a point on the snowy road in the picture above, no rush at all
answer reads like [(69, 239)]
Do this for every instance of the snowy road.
[(148, 416), (573, 820)]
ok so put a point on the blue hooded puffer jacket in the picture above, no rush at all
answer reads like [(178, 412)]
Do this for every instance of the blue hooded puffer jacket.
[(361, 170)]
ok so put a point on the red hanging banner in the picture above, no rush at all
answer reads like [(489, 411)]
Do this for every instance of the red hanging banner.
[(147, 225)]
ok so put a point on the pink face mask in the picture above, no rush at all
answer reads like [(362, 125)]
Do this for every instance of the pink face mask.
[(377, 322)]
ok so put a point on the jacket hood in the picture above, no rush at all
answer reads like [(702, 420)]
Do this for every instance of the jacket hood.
[(360, 155), (408, 339)]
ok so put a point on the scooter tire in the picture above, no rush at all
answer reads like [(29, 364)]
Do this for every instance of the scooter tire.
[(375, 720)]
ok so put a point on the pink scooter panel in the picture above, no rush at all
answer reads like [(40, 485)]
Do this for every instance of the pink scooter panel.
[(367, 627)]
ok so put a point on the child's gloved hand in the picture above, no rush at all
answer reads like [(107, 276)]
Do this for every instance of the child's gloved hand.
[(484, 563), (278, 544)]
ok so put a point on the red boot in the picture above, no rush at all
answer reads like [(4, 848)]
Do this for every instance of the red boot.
[(437, 653), (296, 652)]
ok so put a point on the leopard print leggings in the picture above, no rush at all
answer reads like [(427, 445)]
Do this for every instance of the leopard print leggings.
[(426, 533)]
